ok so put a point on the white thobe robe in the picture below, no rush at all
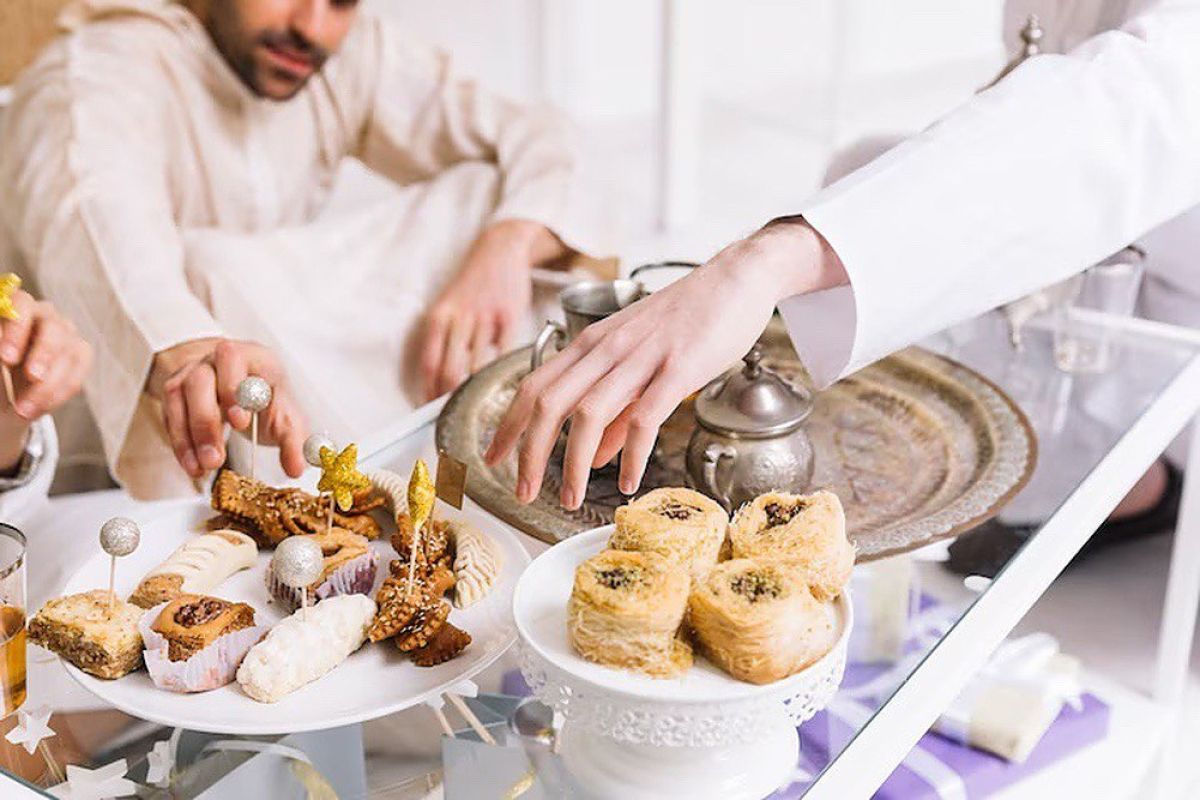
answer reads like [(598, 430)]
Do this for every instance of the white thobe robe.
[(155, 200), (1067, 160)]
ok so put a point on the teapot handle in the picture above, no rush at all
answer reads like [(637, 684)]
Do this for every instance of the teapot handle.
[(712, 457), (553, 333)]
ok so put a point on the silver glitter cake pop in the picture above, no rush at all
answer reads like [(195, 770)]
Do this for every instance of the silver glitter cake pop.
[(119, 536), (297, 562), (313, 446), (253, 394)]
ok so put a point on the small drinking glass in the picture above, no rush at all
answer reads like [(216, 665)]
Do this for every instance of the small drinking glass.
[(12, 619), (1110, 287)]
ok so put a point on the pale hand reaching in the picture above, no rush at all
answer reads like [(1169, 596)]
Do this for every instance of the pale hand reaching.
[(620, 379)]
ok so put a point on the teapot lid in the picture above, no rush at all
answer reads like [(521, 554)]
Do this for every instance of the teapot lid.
[(752, 402)]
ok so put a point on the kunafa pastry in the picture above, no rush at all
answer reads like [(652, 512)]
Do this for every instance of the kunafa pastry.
[(198, 566), (758, 621), (305, 646), (807, 532), (683, 525), (195, 643), (349, 568), (626, 610), (99, 638)]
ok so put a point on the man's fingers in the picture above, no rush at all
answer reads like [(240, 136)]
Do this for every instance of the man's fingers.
[(599, 407), (483, 348), (290, 429), (456, 360), (175, 420), (613, 439), (521, 410), (229, 360), (15, 336), (551, 408), (36, 398), (656, 404), (432, 349), (48, 340), (204, 416)]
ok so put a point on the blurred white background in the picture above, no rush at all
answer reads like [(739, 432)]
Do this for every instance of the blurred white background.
[(766, 91)]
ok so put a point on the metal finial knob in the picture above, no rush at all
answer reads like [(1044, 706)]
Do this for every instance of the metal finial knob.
[(753, 361), (1031, 35)]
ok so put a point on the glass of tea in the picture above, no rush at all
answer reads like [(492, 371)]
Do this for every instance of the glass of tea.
[(12, 619)]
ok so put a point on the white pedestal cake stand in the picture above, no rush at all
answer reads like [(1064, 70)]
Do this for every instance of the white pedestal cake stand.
[(628, 736)]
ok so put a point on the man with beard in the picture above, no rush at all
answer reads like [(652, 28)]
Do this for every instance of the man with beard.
[(163, 168)]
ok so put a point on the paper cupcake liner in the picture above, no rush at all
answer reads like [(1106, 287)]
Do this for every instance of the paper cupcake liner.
[(356, 576), (210, 668)]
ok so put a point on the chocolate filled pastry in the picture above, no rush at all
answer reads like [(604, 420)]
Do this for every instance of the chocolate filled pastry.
[(682, 525), (626, 611), (758, 621), (807, 532), (195, 643), (198, 566), (271, 515), (192, 622)]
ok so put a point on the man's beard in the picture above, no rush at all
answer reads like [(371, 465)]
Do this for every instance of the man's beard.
[(241, 56)]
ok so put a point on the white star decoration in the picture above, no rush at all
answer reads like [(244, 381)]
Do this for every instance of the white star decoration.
[(95, 784), (32, 727), (159, 763)]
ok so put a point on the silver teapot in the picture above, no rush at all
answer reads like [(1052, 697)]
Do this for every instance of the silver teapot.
[(750, 437)]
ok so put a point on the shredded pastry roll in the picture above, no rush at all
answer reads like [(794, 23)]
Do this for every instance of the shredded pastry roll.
[(626, 611), (758, 621), (806, 532), (684, 526)]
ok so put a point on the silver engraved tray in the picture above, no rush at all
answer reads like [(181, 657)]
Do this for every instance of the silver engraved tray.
[(917, 446)]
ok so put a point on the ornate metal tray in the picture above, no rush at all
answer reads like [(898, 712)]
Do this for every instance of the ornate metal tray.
[(917, 446)]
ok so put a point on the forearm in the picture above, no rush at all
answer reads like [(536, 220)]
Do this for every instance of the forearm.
[(14, 435), (541, 243)]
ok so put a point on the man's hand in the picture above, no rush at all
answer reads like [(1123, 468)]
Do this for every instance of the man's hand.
[(197, 381), (622, 377), (49, 362), (479, 312)]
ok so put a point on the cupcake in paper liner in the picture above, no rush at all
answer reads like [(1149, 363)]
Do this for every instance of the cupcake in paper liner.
[(349, 568), (195, 643)]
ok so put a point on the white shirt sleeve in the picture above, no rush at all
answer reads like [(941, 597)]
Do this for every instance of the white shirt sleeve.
[(1067, 160)]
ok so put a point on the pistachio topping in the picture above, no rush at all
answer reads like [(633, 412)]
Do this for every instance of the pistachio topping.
[(618, 577), (780, 514), (755, 585)]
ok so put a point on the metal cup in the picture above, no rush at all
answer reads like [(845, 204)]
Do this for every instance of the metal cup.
[(583, 303)]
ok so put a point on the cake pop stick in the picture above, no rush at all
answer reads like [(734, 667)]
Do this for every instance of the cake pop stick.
[(297, 563), (421, 496), (253, 395), (118, 537), (313, 446), (9, 283)]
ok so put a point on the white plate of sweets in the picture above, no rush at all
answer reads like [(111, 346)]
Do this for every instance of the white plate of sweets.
[(543, 594), (372, 682)]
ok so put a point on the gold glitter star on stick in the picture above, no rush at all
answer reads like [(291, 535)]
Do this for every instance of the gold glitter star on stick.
[(9, 283), (421, 495), (340, 476)]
